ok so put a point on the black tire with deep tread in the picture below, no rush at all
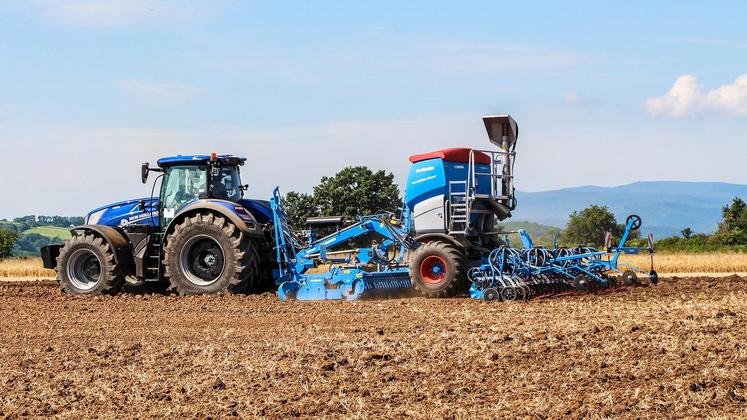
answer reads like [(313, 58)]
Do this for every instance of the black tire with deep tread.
[(112, 275), (241, 259), (455, 280)]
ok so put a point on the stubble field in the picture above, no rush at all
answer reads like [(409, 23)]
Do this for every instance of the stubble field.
[(677, 263), (674, 350)]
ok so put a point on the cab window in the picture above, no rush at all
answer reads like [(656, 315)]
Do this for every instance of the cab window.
[(182, 185)]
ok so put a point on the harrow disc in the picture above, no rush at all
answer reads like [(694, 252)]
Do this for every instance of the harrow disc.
[(582, 283), (630, 278), (510, 293)]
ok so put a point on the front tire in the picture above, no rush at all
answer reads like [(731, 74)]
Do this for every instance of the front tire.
[(206, 254), (86, 266), (437, 270)]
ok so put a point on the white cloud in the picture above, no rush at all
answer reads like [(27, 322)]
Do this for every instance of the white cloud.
[(158, 90), (687, 98), (732, 98), (99, 13)]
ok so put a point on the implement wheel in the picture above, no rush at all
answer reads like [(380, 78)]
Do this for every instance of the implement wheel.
[(636, 219), (437, 269), (207, 254), (86, 266), (653, 277)]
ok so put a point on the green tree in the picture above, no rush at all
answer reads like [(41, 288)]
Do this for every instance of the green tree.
[(587, 227), (733, 227), (299, 207), (7, 241), (687, 233), (356, 190), (350, 192)]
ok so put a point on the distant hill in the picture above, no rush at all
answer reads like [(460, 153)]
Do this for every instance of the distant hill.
[(665, 206)]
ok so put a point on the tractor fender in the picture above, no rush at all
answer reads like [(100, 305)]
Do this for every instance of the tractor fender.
[(428, 237), (242, 219), (117, 240)]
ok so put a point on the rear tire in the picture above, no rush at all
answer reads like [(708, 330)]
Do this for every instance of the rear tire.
[(86, 266), (437, 270), (206, 254)]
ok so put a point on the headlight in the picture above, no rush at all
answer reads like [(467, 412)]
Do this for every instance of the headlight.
[(94, 218)]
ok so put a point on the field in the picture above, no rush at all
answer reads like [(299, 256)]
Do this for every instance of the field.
[(727, 262), (24, 268), (707, 262), (674, 350), (50, 232)]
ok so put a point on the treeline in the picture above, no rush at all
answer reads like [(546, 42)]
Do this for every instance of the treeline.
[(28, 244), (21, 224), (15, 239), (730, 236)]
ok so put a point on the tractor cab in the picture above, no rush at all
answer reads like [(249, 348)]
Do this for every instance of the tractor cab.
[(190, 178)]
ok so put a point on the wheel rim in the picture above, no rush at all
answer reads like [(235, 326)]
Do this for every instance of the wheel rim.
[(509, 293), (433, 269), (84, 269), (202, 260)]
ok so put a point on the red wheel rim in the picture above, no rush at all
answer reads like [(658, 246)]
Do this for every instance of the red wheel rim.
[(433, 269)]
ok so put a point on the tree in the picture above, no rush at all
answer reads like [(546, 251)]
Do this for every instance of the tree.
[(733, 227), (8, 238), (588, 226), (299, 207), (687, 233), (350, 192)]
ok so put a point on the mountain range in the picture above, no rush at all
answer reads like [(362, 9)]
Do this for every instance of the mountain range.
[(666, 207)]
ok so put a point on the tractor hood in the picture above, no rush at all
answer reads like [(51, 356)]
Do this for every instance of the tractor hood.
[(128, 212), (125, 213)]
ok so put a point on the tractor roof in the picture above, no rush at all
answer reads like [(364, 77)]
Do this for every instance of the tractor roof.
[(198, 160)]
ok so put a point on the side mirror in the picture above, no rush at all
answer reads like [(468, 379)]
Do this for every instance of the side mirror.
[(144, 170), (141, 205)]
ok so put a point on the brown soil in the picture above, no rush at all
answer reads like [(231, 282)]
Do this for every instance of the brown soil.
[(678, 349)]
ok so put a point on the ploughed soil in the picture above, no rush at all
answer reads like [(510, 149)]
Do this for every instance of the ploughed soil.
[(673, 350)]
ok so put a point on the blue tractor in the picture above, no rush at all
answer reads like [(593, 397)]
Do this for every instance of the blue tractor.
[(198, 236)]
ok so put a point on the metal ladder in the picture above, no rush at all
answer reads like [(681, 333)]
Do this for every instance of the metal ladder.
[(458, 207), (462, 194), (153, 257)]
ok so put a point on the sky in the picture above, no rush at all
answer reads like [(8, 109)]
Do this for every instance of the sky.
[(605, 93)]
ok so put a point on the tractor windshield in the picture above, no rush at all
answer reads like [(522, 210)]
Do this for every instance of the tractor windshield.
[(225, 183), (181, 185)]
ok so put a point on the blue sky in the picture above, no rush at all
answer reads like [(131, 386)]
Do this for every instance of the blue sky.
[(604, 93)]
